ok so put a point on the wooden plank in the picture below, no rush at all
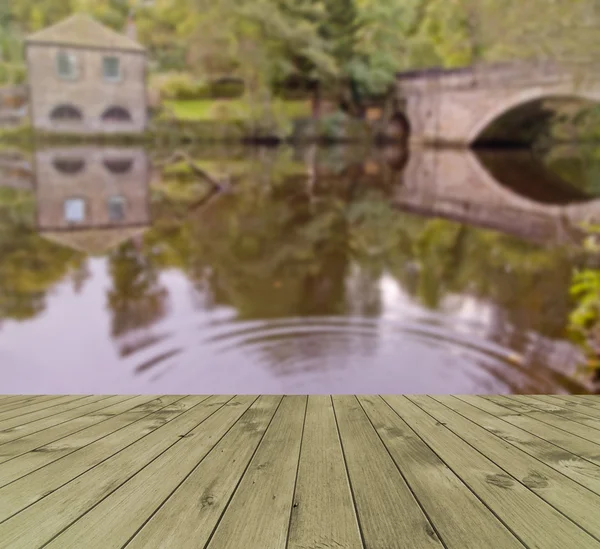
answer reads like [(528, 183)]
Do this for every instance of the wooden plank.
[(490, 416), (8, 398), (117, 518), (594, 399), (87, 405), (586, 400), (531, 519), (323, 514), (178, 524), (551, 409), (570, 404), (565, 495), (45, 406), (104, 410), (66, 503), (9, 426), (561, 418), (258, 514), (19, 401), (42, 456), (460, 518), (31, 488), (380, 491)]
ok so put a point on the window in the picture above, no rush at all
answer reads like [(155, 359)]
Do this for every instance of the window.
[(116, 208), (66, 65), (111, 69), (116, 114), (69, 166), (74, 210), (65, 113), (118, 166)]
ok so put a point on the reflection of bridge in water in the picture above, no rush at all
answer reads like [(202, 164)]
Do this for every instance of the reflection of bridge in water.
[(456, 184)]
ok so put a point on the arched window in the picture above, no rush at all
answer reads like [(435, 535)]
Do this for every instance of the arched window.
[(69, 166), (118, 166), (65, 113), (116, 114)]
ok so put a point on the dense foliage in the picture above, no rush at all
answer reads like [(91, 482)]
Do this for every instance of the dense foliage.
[(585, 318), (336, 41)]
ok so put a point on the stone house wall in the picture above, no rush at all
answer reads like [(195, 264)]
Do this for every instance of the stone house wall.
[(89, 93)]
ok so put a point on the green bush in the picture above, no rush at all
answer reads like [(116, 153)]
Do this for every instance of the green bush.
[(228, 89), (177, 85), (12, 74), (183, 87)]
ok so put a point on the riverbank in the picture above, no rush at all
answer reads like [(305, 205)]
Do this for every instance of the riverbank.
[(190, 132)]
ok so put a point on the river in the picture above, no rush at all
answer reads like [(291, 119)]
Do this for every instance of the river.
[(332, 270)]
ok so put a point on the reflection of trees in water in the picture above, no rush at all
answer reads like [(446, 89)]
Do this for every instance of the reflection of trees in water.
[(29, 265), (136, 299), (434, 258), (278, 252)]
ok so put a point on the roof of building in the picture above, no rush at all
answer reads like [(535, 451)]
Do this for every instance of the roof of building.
[(80, 30)]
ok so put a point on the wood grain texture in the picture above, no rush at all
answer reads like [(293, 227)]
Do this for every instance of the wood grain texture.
[(379, 489), (54, 497), (323, 514), (297, 472), (258, 515), (462, 520), (45, 453), (531, 519), (124, 511), (32, 412), (574, 456), (568, 420), (191, 513), (84, 406), (585, 408)]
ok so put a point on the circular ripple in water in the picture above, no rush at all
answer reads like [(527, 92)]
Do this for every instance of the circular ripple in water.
[(339, 355)]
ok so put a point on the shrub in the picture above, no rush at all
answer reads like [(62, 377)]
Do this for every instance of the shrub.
[(12, 74), (177, 85), (183, 86)]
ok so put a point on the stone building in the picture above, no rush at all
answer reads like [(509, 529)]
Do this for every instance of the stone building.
[(92, 198), (86, 78)]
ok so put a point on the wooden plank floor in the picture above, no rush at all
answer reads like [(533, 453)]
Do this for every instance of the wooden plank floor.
[(297, 472)]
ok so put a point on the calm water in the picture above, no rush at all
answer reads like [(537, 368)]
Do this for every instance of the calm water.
[(324, 271)]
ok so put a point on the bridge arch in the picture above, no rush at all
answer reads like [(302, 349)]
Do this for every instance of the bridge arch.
[(523, 98), (577, 213)]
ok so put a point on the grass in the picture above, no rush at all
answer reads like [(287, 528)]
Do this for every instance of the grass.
[(233, 109)]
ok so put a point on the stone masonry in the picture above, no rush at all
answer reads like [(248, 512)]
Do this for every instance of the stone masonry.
[(455, 106), (90, 92)]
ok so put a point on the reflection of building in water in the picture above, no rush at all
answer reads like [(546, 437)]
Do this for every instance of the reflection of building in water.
[(92, 198)]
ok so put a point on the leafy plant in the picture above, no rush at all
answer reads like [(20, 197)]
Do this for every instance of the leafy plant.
[(584, 321)]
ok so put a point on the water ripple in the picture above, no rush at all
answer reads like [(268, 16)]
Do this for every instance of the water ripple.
[(341, 351)]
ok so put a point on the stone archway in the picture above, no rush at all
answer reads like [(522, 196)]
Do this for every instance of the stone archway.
[(520, 100)]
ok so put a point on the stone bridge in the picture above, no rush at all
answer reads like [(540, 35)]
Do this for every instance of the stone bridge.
[(455, 184), (459, 106)]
